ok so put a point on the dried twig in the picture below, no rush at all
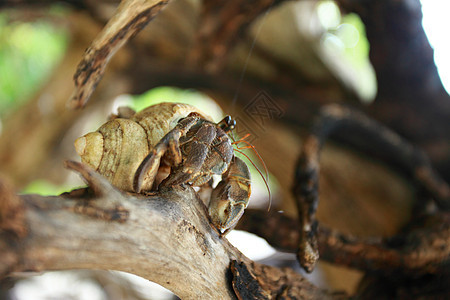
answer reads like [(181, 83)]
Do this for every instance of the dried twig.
[(130, 18), (424, 249), (406, 156)]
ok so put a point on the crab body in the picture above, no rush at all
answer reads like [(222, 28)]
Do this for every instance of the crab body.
[(170, 144)]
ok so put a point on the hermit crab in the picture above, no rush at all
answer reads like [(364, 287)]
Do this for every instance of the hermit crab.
[(170, 144)]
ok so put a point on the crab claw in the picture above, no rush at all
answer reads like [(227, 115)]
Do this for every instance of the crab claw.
[(230, 198)]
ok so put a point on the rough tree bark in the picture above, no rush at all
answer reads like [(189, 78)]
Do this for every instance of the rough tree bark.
[(165, 238)]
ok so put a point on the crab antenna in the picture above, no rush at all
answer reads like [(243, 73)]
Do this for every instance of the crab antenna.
[(249, 145), (260, 173), (265, 169)]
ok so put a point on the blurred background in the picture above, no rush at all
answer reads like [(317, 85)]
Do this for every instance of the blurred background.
[(297, 54)]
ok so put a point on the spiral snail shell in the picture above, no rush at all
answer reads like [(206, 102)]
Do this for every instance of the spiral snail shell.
[(118, 147)]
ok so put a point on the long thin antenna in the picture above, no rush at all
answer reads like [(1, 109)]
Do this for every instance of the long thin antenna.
[(249, 145), (260, 173)]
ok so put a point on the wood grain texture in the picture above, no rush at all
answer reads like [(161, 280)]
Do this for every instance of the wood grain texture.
[(165, 237)]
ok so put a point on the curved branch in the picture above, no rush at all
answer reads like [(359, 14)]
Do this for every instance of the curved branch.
[(425, 249), (165, 237), (334, 118), (131, 16)]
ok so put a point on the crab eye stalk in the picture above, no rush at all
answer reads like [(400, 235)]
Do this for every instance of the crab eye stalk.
[(227, 124)]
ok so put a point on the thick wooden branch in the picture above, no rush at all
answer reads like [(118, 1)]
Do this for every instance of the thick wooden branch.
[(130, 18), (367, 133), (165, 237), (402, 154), (423, 249)]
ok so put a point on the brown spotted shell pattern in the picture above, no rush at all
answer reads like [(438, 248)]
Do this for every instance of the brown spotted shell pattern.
[(119, 146)]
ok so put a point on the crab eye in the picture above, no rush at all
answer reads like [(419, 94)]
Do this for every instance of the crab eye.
[(231, 124), (227, 124)]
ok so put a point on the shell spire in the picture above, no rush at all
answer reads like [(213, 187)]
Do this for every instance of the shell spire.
[(90, 148)]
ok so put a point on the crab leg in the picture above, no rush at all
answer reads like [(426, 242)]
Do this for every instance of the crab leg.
[(197, 153), (230, 198), (149, 167)]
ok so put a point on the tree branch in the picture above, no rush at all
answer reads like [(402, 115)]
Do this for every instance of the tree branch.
[(165, 237), (131, 16), (352, 123), (423, 249)]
